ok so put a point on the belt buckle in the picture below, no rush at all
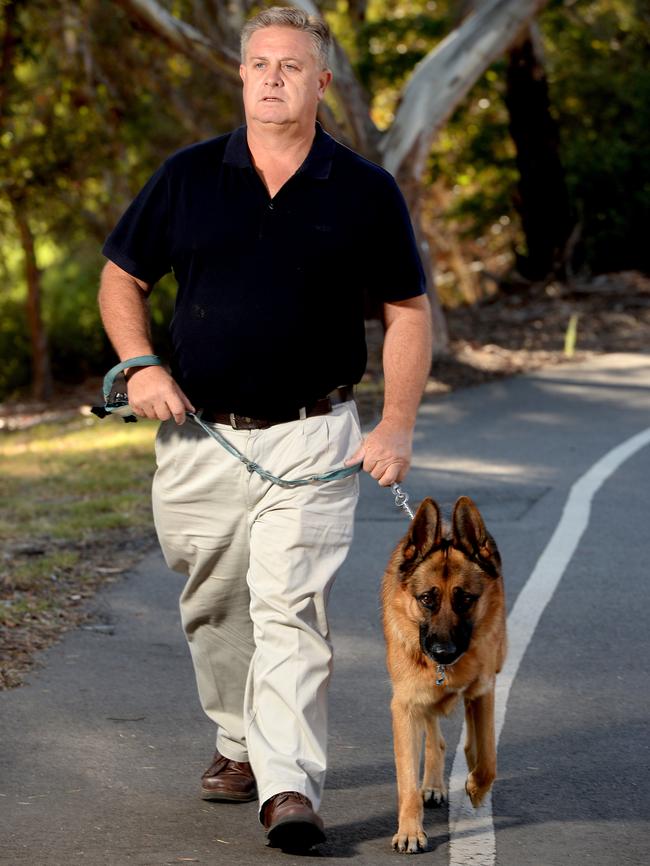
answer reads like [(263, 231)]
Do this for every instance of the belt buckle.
[(243, 422), (237, 422)]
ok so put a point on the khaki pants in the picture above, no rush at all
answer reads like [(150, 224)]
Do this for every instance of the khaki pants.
[(260, 561)]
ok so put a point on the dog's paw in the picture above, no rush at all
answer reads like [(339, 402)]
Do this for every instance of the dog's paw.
[(411, 841), (475, 790), (432, 797)]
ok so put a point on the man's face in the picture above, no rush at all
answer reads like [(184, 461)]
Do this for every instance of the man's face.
[(283, 82)]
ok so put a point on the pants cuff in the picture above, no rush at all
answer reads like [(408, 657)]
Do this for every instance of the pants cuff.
[(230, 750)]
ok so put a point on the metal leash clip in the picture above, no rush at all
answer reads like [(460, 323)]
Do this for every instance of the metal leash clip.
[(402, 499)]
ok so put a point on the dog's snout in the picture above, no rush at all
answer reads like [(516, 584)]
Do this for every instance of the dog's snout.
[(444, 649), (443, 652)]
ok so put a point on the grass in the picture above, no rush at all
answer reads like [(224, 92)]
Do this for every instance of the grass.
[(74, 512)]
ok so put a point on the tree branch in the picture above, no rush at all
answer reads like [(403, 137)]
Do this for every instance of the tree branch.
[(441, 80), (221, 59)]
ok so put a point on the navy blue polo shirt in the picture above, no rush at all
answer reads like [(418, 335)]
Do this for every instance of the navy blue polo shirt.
[(269, 314)]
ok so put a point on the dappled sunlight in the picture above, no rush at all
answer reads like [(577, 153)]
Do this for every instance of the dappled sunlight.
[(51, 439), (474, 466)]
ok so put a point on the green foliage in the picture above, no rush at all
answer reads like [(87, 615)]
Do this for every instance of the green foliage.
[(91, 108), (599, 80), (600, 89)]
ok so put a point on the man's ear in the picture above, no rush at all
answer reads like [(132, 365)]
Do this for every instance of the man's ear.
[(424, 535), (323, 82)]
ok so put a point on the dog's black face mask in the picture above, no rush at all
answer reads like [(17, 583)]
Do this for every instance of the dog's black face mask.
[(445, 649)]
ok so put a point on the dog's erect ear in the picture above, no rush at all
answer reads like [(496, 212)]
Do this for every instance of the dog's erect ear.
[(472, 538), (425, 534)]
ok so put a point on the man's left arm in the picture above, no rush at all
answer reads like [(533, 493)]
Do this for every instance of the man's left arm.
[(386, 451)]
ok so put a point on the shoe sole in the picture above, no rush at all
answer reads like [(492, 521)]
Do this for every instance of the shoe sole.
[(295, 836), (225, 797)]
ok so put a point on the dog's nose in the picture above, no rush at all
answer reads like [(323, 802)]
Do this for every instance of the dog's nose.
[(444, 649)]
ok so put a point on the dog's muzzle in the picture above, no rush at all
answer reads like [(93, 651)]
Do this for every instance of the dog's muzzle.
[(443, 653)]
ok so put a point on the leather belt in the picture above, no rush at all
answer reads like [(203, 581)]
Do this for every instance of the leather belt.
[(242, 422)]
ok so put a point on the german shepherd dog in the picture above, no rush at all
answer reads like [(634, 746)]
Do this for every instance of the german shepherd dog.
[(445, 628)]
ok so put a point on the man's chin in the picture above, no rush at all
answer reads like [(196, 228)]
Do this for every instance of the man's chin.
[(273, 121)]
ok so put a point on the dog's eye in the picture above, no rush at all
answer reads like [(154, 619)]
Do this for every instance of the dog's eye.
[(429, 599), (463, 600)]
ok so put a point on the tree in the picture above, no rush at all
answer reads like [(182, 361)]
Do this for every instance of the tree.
[(15, 183), (78, 97), (437, 85)]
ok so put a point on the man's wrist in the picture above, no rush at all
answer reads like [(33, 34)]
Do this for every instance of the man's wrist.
[(131, 371), (405, 420)]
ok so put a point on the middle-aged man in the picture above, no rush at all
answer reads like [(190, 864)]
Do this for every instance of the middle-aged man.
[(273, 232)]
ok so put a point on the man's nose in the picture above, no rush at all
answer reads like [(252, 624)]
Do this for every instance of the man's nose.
[(273, 77)]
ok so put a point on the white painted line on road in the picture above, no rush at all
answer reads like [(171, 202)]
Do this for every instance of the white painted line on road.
[(471, 831)]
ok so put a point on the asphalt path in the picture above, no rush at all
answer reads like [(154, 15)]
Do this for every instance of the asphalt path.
[(101, 751)]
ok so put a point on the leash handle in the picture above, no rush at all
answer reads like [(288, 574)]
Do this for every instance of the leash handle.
[(116, 398), (139, 361)]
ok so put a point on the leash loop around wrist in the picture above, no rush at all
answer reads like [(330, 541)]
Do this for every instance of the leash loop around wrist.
[(114, 391)]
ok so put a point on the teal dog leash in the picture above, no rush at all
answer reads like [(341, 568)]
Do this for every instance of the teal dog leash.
[(116, 402)]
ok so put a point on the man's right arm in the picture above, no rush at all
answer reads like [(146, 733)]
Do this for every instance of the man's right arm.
[(125, 314)]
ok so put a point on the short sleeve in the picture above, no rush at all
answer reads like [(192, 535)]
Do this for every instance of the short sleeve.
[(396, 271), (139, 243)]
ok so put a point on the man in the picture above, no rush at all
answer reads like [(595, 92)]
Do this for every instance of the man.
[(273, 232)]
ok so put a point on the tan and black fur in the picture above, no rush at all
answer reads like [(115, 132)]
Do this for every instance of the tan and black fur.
[(443, 604)]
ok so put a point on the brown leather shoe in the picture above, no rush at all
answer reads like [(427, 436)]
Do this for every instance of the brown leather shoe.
[(231, 781), (291, 823)]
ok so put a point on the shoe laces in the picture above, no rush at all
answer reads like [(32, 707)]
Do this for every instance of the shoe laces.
[(291, 795)]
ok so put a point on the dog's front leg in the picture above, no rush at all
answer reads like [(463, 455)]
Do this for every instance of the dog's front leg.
[(407, 741), (434, 791), (480, 747)]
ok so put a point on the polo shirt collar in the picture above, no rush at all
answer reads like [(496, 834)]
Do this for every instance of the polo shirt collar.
[(317, 164)]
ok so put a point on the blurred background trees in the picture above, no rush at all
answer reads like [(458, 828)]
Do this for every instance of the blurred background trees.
[(93, 96)]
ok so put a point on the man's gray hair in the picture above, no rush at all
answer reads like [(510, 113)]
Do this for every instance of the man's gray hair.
[(289, 16)]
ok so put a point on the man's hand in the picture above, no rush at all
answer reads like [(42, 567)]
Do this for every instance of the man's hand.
[(154, 394), (386, 452)]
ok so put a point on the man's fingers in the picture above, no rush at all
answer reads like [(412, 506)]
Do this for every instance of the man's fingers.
[(180, 406), (155, 395), (358, 456), (387, 474)]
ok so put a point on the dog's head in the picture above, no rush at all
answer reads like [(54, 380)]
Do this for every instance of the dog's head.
[(447, 578)]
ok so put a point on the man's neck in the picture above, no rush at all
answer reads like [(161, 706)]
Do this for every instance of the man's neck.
[(280, 144)]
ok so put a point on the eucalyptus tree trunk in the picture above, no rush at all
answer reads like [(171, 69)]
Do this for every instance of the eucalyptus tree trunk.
[(436, 87)]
